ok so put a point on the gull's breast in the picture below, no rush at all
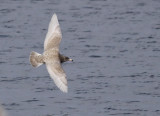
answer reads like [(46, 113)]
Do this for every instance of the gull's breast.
[(51, 55)]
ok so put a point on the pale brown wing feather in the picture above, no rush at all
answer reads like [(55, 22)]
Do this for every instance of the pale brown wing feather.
[(54, 35), (58, 75)]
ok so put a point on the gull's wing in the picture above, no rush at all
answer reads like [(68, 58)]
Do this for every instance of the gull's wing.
[(58, 75), (54, 35)]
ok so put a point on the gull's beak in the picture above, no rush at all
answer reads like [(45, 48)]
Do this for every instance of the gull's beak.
[(71, 59)]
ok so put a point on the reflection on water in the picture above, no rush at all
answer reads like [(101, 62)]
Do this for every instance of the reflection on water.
[(115, 46)]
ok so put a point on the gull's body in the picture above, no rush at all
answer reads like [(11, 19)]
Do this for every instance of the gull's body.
[(51, 56)]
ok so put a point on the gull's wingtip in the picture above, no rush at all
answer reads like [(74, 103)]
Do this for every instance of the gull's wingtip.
[(54, 15), (64, 89), (54, 20)]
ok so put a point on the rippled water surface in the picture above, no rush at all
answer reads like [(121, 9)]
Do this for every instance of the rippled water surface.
[(115, 45)]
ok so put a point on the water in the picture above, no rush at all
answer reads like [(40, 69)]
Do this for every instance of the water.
[(115, 45)]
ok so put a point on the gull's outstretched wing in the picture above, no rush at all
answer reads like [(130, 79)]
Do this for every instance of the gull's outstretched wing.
[(58, 75), (54, 35)]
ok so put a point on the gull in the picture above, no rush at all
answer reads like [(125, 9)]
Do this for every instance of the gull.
[(51, 56)]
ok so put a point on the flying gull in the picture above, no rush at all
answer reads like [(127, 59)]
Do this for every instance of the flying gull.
[(51, 56)]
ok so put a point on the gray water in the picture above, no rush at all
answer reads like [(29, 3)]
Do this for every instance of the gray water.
[(115, 45)]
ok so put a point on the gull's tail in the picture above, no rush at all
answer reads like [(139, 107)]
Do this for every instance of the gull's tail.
[(36, 59)]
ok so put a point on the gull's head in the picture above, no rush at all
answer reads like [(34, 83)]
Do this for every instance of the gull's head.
[(64, 58), (68, 59)]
